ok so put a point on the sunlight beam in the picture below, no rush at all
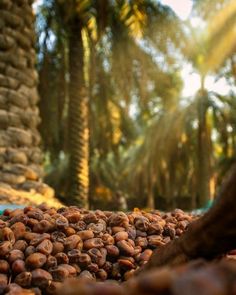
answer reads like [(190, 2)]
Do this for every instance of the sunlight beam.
[(181, 7)]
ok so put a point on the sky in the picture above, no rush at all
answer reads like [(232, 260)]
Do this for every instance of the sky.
[(181, 7), (191, 79), (36, 4)]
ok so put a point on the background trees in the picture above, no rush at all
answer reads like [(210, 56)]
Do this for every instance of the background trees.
[(147, 144)]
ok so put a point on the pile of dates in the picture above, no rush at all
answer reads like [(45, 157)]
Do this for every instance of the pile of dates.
[(41, 247), (194, 278)]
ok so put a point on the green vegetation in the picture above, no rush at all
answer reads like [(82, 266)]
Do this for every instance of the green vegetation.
[(140, 138), (117, 131)]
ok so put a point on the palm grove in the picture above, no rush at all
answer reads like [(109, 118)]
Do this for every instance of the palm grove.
[(113, 120)]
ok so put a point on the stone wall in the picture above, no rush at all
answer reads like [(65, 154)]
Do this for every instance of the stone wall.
[(20, 154)]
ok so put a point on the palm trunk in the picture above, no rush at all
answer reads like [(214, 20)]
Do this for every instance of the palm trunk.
[(92, 82), (78, 120), (171, 184), (20, 155), (203, 151), (150, 198), (150, 193)]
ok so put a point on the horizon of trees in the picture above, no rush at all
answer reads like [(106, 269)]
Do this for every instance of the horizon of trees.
[(115, 126)]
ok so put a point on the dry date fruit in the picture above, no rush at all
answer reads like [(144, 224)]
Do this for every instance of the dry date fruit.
[(6, 234), (35, 260), (18, 266), (5, 248), (23, 279), (41, 278), (4, 266), (14, 255), (93, 243), (41, 247), (45, 247)]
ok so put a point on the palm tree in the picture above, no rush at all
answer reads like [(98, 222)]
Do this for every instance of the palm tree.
[(131, 70), (197, 53), (219, 47), (164, 136), (73, 16), (20, 154), (78, 119), (78, 19)]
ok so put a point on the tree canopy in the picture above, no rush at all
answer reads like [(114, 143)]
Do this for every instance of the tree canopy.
[(147, 142)]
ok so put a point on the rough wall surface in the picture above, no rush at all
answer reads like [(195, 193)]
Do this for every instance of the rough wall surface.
[(20, 154)]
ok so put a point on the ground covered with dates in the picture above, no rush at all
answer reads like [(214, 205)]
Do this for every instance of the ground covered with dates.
[(41, 247), (194, 278)]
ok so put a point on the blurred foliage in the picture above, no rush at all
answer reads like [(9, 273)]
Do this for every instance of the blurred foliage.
[(148, 144)]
